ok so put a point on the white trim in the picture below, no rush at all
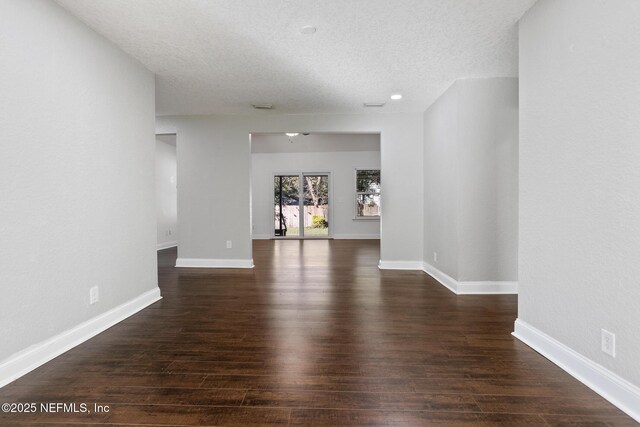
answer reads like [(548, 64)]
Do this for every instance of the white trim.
[(617, 390), (36, 355), (354, 200), (487, 288), (166, 245), (261, 237), (214, 263), (357, 236), (443, 278), (400, 265), (470, 288)]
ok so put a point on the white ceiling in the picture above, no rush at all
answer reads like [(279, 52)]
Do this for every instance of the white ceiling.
[(220, 56)]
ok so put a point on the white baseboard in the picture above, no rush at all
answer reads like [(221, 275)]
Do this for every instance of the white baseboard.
[(617, 390), (335, 236), (488, 288), (166, 245), (261, 237), (443, 278), (357, 236), (214, 263), (29, 359), (400, 265), (470, 288)]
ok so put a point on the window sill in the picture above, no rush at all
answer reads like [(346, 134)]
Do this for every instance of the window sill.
[(367, 218)]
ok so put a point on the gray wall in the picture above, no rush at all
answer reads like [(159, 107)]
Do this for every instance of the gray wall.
[(166, 191), (580, 176), (441, 183), (215, 150), (471, 180), (76, 174)]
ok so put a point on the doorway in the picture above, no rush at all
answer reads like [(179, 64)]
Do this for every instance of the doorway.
[(301, 205)]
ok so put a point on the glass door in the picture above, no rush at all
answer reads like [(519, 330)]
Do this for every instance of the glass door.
[(301, 205), (286, 205), (316, 205)]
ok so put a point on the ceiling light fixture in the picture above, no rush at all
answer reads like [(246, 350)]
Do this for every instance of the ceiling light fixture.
[(374, 104), (262, 106), (291, 135), (396, 96), (308, 29)]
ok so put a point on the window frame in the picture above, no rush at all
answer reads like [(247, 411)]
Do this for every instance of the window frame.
[(357, 194)]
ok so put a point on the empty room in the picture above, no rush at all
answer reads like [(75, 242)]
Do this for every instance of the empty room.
[(323, 213)]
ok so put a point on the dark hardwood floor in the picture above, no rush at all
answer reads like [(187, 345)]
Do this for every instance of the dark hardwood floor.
[(314, 335)]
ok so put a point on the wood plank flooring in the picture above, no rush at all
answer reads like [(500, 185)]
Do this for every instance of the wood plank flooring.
[(314, 335)]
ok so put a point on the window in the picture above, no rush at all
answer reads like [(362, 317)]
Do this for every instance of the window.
[(367, 193)]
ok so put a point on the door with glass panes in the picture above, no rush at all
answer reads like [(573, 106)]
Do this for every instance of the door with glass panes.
[(301, 205)]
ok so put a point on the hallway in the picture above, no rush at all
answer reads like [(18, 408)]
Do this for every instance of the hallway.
[(315, 334)]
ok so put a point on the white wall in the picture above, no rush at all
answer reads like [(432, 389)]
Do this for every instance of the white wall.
[(441, 168), (315, 153), (76, 175), (166, 192), (214, 150), (471, 181), (579, 246)]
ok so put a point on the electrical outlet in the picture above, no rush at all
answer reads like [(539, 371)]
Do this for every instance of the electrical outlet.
[(608, 342), (94, 296), (435, 256), (229, 244)]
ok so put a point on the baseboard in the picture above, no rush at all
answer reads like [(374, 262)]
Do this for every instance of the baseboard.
[(29, 359), (400, 265), (443, 278), (470, 288), (335, 236), (261, 237), (487, 288), (357, 236), (166, 245), (214, 263), (617, 390)]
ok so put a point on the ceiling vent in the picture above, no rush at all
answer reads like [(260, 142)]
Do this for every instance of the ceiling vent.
[(374, 104), (262, 106)]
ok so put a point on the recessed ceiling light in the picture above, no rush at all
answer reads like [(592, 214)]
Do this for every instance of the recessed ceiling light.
[(396, 96), (308, 29), (292, 134)]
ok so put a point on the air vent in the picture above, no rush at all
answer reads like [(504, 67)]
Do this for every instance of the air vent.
[(374, 104), (262, 106)]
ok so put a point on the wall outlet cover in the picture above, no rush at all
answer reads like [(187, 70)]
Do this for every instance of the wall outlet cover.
[(608, 342), (94, 295)]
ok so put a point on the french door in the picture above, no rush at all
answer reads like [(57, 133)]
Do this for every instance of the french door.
[(301, 205)]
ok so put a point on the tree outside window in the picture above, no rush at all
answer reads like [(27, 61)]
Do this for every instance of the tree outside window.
[(367, 193)]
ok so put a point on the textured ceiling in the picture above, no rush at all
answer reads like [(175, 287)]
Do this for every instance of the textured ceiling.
[(220, 56)]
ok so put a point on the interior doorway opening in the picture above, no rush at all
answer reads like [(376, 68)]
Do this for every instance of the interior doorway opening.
[(166, 191), (315, 185)]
